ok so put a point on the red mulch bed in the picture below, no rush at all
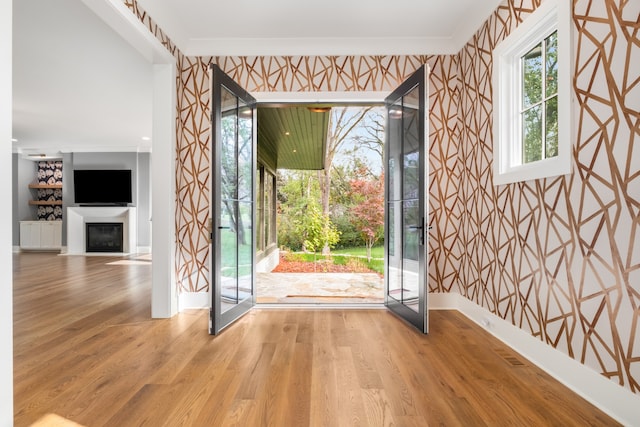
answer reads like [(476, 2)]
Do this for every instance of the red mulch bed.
[(322, 266)]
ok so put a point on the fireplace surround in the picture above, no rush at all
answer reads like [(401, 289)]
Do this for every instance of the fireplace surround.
[(79, 216)]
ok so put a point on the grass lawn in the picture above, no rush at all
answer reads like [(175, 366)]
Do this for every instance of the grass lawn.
[(376, 252), (345, 256)]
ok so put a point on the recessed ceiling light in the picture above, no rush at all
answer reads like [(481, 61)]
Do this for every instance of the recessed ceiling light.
[(146, 138), (395, 113), (319, 109), (14, 140)]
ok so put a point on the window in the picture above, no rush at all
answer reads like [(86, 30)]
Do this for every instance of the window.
[(532, 83), (260, 209), (271, 208), (266, 208)]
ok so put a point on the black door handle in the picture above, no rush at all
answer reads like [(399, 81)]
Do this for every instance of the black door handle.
[(419, 227)]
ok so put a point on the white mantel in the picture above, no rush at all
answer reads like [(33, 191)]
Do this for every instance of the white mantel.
[(78, 216)]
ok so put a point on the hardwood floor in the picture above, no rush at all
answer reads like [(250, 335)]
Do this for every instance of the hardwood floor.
[(87, 350)]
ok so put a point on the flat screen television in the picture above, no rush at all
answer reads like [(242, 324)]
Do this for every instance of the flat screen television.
[(102, 187)]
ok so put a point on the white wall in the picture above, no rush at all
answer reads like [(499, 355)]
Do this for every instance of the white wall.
[(144, 199), (76, 82), (6, 279), (24, 173), (14, 197)]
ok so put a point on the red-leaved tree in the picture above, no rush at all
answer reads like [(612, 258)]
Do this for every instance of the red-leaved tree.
[(368, 210)]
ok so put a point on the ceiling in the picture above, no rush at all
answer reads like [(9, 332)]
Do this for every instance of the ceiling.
[(329, 27), (77, 85), (80, 86)]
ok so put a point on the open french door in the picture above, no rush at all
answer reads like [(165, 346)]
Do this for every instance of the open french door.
[(233, 149), (406, 203)]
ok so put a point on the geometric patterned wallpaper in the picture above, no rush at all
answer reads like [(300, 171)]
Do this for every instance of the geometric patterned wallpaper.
[(558, 257), (604, 194), (318, 73), (263, 74)]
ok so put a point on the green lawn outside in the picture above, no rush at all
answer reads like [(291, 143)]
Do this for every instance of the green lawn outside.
[(228, 256), (342, 257), (376, 252)]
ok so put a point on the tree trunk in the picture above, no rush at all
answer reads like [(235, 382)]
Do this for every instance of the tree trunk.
[(340, 125), (324, 178)]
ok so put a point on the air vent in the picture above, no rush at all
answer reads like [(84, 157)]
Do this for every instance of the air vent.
[(509, 357)]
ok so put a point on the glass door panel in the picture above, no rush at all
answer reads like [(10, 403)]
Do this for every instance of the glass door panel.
[(245, 252), (393, 238), (227, 201), (233, 155), (406, 196)]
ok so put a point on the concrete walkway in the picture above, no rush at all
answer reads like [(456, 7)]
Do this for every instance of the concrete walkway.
[(313, 288)]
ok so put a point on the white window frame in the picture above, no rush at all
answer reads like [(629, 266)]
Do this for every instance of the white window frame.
[(550, 16)]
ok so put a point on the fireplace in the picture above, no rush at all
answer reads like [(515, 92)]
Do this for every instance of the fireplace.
[(104, 237)]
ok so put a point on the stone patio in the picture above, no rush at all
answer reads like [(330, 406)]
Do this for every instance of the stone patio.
[(315, 288)]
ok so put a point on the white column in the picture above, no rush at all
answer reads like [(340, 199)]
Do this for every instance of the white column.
[(164, 301), (6, 279), (119, 17)]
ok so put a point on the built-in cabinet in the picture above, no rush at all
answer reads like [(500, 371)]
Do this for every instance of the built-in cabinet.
[(43, 231), (41, 235)]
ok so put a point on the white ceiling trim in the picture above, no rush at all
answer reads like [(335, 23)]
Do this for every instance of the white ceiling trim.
[(336, 27), (309, 46)]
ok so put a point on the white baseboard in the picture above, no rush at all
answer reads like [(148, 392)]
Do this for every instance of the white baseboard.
[(618, 402), (143, 249), (443, 301), (18, 249), (191, 300)]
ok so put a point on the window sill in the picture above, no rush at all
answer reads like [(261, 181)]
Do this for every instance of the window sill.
[(537, 170)]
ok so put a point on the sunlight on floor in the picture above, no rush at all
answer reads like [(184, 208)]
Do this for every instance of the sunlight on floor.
[(53, 420), (144, 259)]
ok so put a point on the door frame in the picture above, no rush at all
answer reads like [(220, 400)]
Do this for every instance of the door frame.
[(373, 97), (347, 98)]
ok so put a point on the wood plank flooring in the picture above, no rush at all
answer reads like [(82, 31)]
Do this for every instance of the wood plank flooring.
[(86, 349)]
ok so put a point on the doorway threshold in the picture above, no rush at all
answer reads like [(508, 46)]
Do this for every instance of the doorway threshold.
[(319, 306)]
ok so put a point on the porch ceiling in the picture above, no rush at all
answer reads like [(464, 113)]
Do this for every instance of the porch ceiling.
[(293, 135)]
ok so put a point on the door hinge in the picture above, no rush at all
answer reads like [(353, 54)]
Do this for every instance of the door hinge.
[(210, 230)]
